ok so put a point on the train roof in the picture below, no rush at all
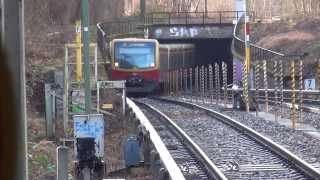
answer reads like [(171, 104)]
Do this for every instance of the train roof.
[(134, 40)]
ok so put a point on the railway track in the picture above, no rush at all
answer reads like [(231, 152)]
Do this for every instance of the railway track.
[(192, 161), (238, 151)]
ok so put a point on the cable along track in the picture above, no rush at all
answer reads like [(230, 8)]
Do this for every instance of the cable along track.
[(192, 161), (238, 151)]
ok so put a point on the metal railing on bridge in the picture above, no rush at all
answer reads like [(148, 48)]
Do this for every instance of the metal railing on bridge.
[(189, 18), (106, 31), (257, 52)]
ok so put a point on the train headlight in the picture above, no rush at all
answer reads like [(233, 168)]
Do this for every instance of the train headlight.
[(152, 64), (116, 64)]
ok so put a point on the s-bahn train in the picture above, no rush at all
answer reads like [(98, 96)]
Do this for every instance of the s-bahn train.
[(144, 63)]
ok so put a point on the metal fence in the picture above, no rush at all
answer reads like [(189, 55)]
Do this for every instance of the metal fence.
[(107, 31), (257, 52), (187, 18)]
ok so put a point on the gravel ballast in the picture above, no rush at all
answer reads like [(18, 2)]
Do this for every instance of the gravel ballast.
[(225, 146)]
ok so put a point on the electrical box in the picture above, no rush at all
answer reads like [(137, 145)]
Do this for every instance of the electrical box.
[(90, 126), (131, 151)]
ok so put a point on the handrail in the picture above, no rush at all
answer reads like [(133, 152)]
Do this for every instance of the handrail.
[(262, 53), (110, 29), (258, 52), (187, 18)]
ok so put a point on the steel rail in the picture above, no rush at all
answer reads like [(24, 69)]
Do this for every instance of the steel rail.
[(211, 168), (317, 92), (267, 142), (166, 158)]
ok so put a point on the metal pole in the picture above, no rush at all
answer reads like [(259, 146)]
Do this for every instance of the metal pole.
[(78, 52), (247, 53), (181, 80), (265, 85), (12, 37), (234, 77), (275, 84), (142, 8), (191, 84), (98, 97), (176, 81), (202, 83), (293, 98), (86, 173), (281, 87), (196, 82), (318, 75), (66, 94), (206, 7), (257, 83), (245, 87), (124, 101), (96, 63), (185, 80), (48, 107), (301, 90), (210, 83), (217, 82), (205, 82), (62, 163), (169, 82), (54, 116), (86, 49), (225, 83)]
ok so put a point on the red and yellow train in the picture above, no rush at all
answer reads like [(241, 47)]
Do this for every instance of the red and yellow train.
[(144, 63)]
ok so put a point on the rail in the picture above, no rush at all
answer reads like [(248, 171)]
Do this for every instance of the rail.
[(283, 152), (212, 169), (166, 158)]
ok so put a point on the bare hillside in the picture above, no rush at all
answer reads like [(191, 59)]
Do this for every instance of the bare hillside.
[(291, 37)]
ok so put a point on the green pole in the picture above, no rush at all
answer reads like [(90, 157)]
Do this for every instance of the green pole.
[(86, 49), (142, 8)]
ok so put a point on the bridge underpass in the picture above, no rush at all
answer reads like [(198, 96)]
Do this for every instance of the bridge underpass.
[(209, 51), (212, 41)]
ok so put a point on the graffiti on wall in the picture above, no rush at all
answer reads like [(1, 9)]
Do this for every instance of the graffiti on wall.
[(177, 32)]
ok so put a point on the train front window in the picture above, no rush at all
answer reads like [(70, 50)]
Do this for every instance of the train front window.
[(134, 55)]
